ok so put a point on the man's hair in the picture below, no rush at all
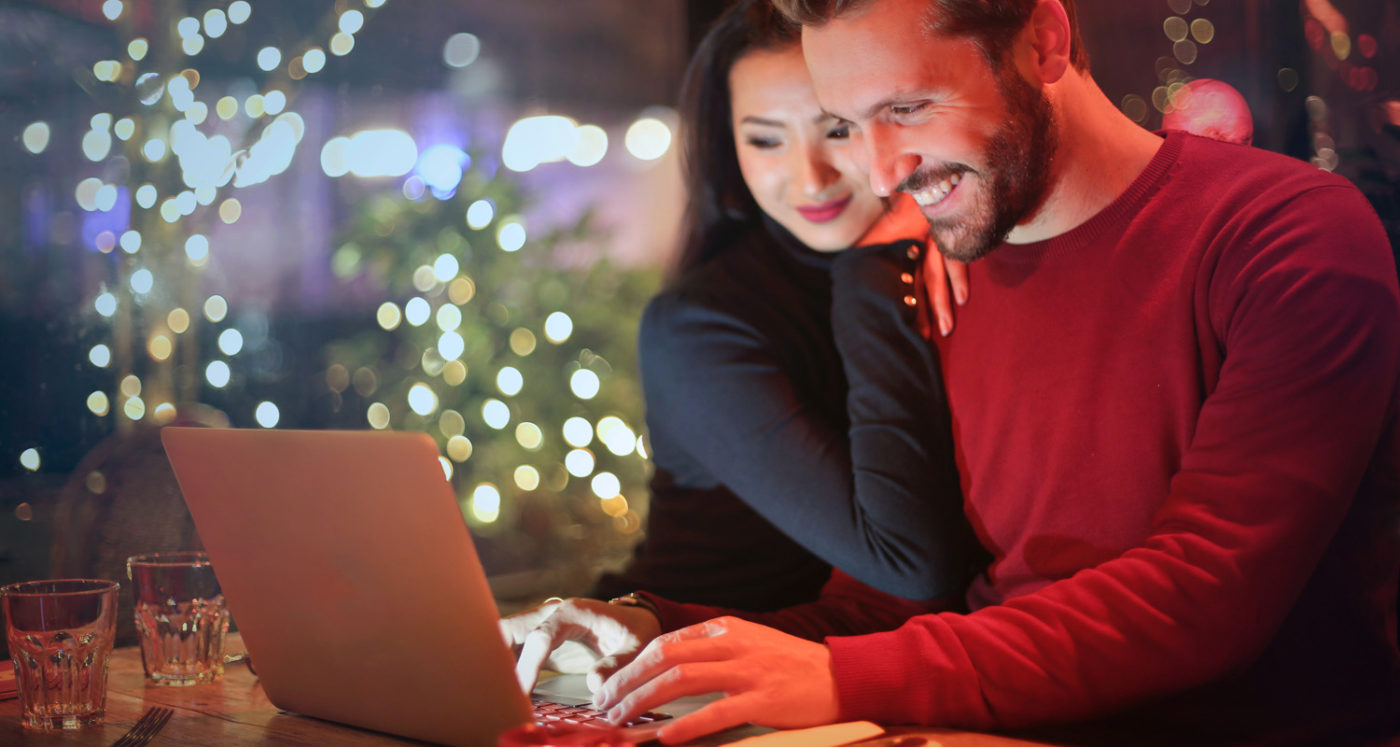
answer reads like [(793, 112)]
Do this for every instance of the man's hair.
[(991, 24)]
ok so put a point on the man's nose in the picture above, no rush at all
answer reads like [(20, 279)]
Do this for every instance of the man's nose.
[(886, 160)]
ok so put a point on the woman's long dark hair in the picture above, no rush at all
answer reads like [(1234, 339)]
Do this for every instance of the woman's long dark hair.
[(719, 207)]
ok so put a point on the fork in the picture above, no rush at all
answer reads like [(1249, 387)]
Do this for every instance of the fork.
[(145, 728)]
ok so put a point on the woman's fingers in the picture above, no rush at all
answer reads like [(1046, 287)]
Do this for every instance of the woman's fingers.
[(940, 299), (957, 279)]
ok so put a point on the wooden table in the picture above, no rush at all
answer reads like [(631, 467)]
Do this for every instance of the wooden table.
[(234, 713)]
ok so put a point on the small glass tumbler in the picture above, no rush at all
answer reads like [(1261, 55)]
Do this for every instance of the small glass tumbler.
[(60, 634), (181, 617)]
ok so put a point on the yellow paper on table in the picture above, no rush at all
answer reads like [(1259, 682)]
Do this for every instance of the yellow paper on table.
[(830, 735)]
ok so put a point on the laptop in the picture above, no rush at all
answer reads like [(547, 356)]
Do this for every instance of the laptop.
[(347, 564)]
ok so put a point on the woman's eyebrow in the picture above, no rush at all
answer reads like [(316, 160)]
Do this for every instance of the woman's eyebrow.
[(761, 121)]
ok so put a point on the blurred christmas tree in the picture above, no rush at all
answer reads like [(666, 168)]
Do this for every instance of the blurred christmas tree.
[(522, 366)]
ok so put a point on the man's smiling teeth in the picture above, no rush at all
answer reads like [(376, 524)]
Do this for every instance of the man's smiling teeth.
[(934, 194)]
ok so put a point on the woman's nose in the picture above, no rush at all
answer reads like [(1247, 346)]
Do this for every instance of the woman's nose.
[(814, 171)]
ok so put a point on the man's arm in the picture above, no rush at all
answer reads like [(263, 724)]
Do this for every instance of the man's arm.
[(1310, 325)]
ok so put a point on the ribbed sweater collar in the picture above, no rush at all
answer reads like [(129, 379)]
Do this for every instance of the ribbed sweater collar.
[(1112, 218)]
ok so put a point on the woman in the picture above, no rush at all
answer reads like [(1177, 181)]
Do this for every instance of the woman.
[(795, 411), (764, 339)]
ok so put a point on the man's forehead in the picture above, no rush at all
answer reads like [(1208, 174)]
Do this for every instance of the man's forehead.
[(863, 62)]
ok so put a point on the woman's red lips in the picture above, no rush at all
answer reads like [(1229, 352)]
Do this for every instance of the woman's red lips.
[(825, 212)]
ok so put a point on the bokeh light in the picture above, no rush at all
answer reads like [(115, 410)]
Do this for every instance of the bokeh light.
[(511, 235), (480, 213), (527, 478), (605, 485), (105, 303), (578, 432), (584, 384), (417, 311), (378, 416), (557, 327), (178, 320), (591, 144), (449, 318), (197, 248), (215, 23), (35, 137), (486, 503), (451, 346), (648, 139), (217, 373), (215, 308), (532, 141), (100, 356), (461, 50), (615, 435), (422, 399), (495, 413), (351, 21), (269, 58), (510, 381), (142, 281), (342, 44), (579, 462), (529, 436), (98, 404), (459, 448), (29, 459), (134, 409), (267, 414), (388, 316), (522, 341), (231, 341), (239, 11)]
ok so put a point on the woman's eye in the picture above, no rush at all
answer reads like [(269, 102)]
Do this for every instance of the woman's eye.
[(762, 143), (839, 132)]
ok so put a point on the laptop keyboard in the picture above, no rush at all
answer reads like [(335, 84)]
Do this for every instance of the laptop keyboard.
[(548, 713)]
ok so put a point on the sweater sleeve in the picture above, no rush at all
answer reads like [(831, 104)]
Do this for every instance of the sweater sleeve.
[(1308, 320), (879, 502)]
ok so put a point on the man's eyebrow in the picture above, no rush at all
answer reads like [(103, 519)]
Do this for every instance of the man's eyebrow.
[(825, 115), (875, 108)]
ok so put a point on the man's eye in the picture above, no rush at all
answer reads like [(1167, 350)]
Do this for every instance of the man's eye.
[(839, 132), (904, 110)]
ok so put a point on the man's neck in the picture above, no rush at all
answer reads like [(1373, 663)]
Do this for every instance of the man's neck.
[(1099, 154)]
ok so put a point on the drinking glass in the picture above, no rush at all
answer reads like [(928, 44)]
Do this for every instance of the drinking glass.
[(181, 617), (60, 634)]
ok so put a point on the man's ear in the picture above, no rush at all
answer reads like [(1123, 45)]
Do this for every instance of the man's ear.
[(1050, 35)]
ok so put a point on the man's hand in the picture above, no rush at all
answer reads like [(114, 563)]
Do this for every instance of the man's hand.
[(770, 678), (613, 633)]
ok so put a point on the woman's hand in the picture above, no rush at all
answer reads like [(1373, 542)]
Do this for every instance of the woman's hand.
[(944, 284), (613, 634)]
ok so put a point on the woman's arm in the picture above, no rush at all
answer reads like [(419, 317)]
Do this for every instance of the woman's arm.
[(879, 501)]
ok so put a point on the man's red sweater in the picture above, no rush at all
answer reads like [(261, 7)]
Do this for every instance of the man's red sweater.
[(1178, 433)]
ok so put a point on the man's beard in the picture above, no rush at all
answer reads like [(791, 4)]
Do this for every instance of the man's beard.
[(1016, 176)]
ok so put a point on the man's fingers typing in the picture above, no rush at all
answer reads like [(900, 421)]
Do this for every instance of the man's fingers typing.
[(678, 681)]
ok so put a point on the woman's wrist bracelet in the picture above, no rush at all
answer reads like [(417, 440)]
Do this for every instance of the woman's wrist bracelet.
[(633, 599)]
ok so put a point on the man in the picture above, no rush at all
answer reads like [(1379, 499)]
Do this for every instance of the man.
[(1176, 408)]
